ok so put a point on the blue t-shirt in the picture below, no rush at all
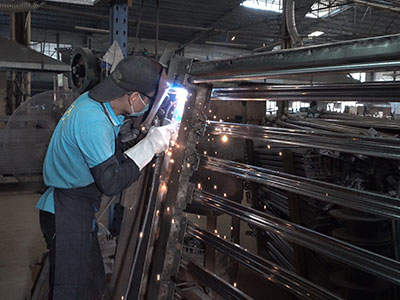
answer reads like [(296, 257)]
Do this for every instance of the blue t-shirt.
[(84, 138)]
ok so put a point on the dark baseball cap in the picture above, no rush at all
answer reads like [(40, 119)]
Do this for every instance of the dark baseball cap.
[(132, 74)]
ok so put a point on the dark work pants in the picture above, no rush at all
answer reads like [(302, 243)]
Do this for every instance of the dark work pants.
[(48, 227)]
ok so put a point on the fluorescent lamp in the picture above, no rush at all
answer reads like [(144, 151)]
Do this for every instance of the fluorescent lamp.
[(315, 34)]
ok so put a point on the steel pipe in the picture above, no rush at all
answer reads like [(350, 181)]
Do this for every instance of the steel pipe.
[(222, 287), (377, 53), (276, 274), (392, 125), (388, 92), (323, 127), (358, 67), (354, 256), (334, 122), (372, 203), (373, 146)]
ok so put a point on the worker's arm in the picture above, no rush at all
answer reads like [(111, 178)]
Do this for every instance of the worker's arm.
[(96, 141), (110, 174)]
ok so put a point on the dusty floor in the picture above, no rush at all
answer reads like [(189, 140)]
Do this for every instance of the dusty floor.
[(21, 243)]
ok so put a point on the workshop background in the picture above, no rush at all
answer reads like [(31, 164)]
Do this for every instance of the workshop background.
[(294, 157)]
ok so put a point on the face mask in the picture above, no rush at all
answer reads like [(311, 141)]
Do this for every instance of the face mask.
[(139, 113)]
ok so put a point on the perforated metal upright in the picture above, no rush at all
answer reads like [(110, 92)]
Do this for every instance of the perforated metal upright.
[(119, 25), (119, 33)]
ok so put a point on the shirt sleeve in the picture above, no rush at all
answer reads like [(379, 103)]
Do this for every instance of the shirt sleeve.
[(96, 141)]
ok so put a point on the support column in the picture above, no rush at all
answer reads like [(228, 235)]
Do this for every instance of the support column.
[(20, 86), (285, 44), (3, 94), (119, 25)]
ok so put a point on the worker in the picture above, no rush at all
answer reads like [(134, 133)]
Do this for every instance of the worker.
[(83, 162)]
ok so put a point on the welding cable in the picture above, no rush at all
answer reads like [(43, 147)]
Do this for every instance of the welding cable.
[(377, 147), (369, 202), (354, 256), (290, 281)]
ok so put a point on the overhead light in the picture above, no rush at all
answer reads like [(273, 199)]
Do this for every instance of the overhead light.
[(233, 38), (315, 34), (79, 2), (263, 5)]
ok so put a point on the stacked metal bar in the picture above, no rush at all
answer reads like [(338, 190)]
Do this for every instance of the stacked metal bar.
[(368, 54)]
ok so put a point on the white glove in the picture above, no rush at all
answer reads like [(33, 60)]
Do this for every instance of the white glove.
[(156, 141)]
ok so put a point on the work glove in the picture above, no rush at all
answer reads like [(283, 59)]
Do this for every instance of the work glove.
[(156, 141), (128, 133)]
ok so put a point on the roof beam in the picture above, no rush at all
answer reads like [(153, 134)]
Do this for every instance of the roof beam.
[(378, 5)]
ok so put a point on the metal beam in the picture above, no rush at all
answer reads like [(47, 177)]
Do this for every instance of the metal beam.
[(209, 279), (365, 92), (294, 284), (377, 5), (134, 20), (369, 202), (388, 148), (167, 251), (381, 53), (354, 256)]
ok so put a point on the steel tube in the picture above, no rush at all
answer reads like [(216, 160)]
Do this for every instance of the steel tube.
[(222, 287), (375, 53), (135, 276), (354, 256), (394, 125), (276, 274), (360, 200), (359, 67), (388, 92), (340, 124), (322, 126), (378, 147)]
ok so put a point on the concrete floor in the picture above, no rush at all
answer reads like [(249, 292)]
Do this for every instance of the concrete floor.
[(21, 242)]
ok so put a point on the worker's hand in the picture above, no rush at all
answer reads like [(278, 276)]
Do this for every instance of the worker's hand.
[(159, 137), (128, 133), (156, 141)]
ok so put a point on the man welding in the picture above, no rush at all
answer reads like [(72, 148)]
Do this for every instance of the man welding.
[(83, 162)]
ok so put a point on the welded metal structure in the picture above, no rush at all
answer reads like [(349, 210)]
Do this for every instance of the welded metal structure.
[(170, 265)]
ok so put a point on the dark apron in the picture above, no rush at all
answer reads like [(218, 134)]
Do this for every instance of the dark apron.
[(79, 270)]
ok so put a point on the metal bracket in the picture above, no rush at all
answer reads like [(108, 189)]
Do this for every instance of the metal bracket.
[(194, 160), (199, 124)]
